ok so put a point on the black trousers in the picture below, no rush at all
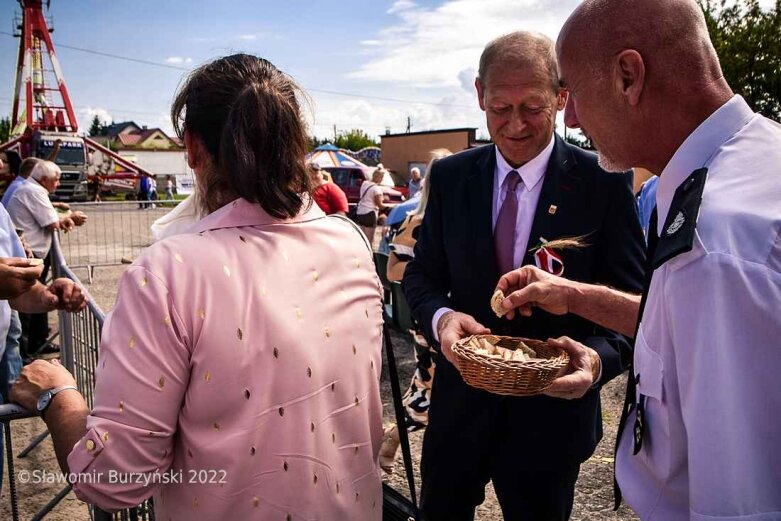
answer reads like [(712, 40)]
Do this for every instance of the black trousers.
[(35, 326), (466, 448)]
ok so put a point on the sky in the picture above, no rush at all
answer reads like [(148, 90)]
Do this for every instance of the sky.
[(365, 64)]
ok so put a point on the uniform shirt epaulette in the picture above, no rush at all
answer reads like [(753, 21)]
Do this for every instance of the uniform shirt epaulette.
[(678, 232)]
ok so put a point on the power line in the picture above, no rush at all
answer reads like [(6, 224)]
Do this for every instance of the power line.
[(115, 56), (322, 91), (7, 102)]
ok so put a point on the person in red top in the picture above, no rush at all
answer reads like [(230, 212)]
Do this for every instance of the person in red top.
[(328, 196)]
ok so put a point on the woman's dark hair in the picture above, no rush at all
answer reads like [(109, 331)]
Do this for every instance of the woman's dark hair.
[(246, 113)]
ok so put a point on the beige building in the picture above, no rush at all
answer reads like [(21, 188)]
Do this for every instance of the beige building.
[(402, 152)]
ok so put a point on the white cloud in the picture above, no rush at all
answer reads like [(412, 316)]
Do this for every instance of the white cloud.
[(247, 37), (85, 115), (431, 54), (400, 5), (199, 39), (432, 46), (459, 109), (467, 79), (177, 60)]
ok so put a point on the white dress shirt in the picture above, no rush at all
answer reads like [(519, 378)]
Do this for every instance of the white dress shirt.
[(32, 211), (528, 194), (709, 351)]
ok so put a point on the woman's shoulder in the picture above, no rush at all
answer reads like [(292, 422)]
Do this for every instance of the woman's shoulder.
[(173, 251)]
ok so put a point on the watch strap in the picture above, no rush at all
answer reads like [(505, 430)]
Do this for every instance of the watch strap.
[(53, 392)]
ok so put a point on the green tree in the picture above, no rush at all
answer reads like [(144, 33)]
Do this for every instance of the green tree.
[(354, 139), (573, 139), (96, 127), (5, 129), (748, 42), (315, 142)]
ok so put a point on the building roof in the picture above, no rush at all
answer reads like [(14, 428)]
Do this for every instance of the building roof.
[(136, 139), (442, 131), (129, 140), (115, 129)]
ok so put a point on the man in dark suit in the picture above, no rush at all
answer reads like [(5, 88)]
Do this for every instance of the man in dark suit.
[(488, 209)]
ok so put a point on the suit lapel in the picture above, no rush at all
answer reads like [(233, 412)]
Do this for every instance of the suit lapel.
[(544, 226), (480, 184)]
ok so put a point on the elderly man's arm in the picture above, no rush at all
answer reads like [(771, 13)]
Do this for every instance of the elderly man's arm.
[(60, 294), (66, 417), (63, 223), (530, 287)]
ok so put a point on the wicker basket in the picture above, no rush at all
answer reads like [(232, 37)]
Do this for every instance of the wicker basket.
[(510, 377)]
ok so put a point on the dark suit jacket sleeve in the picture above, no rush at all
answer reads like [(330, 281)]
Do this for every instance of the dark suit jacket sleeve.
[(427, 279), (620, 265)]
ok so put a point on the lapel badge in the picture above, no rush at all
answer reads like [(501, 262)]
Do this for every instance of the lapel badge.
[(676, 225), (552, 209)]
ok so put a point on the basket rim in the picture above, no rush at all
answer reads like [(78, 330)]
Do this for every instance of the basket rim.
[(463, 352)]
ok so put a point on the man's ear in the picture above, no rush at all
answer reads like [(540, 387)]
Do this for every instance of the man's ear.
[(630, 75), (479, 88), (196, 153), (561, 99)]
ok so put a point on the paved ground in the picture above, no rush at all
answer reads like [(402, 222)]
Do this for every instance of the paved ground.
[(120, 232)]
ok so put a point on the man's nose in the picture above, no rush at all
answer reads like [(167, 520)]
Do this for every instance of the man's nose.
[(570, 115), (517, 122)]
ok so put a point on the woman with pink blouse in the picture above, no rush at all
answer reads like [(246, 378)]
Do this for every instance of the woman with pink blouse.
[(238, 375)]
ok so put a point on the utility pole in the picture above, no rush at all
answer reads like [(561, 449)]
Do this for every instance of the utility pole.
[(409, 124), (334, 133)]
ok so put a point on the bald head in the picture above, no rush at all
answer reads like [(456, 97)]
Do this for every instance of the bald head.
[(670, 35), (642, 75)]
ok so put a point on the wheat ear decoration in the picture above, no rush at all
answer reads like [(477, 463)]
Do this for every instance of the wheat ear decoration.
[(565, 243)]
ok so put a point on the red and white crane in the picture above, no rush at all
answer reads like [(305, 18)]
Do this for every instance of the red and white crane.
[(43, 122)]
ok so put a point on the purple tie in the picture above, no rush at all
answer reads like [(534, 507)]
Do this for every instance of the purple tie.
[(504, 232)]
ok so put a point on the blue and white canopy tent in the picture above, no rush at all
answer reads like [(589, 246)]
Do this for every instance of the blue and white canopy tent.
[(329, 156)]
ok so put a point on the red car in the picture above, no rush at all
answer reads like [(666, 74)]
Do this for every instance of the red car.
[(351, 179)]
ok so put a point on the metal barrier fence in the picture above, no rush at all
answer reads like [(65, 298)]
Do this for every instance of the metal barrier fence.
[(79, 344), (114, 232)]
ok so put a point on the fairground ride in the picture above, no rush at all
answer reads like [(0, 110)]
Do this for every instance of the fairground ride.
[(43, 123)]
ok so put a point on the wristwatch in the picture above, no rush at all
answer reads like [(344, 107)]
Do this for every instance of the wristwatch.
[(45, 399)]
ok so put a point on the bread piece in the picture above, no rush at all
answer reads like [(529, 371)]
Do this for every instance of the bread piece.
[(520, 356), (496, 303), (528, 351)]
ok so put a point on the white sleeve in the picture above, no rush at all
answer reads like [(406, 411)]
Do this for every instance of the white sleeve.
[(41, 209), (435, 321), (726, 333)]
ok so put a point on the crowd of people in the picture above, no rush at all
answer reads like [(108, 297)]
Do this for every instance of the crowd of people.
[(679, 285), (27, 220)]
